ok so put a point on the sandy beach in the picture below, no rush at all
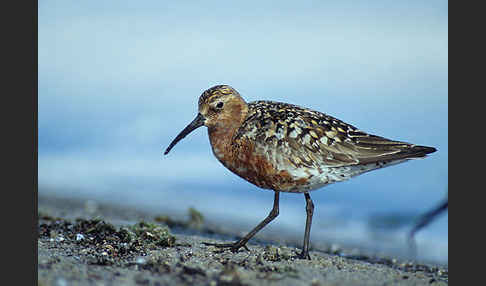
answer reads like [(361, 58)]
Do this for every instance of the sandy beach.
[(89, 243)]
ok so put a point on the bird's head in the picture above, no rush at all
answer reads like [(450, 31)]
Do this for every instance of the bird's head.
[(220, 107)]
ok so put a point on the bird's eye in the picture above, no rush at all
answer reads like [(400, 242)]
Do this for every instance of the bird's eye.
[(219, 105)]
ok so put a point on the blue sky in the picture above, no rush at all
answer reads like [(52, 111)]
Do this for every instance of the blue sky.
[(119, 79)]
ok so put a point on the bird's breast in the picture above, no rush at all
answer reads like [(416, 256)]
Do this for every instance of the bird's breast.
[(259, 168)]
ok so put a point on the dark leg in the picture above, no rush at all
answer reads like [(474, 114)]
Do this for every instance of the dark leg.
[(242, 242), (309, 208), (425, 219)]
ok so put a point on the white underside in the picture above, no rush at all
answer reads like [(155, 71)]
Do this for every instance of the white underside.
[(328, 175)]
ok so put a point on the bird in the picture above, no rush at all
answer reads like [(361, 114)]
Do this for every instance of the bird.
[(287, 148)]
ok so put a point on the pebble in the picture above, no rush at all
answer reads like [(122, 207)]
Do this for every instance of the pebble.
[(140, 260)]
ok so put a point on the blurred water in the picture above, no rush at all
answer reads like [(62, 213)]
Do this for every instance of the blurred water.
[(119, 79)]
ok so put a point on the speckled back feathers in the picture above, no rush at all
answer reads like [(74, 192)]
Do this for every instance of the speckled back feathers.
[(314, 139)]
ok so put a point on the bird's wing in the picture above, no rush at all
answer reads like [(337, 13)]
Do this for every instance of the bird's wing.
[(289, 134)]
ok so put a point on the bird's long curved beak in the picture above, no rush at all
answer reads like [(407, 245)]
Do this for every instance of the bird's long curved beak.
[(196, 123)]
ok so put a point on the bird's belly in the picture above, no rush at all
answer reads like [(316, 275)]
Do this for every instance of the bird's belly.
[(327, 175), (269, 169), (261, 172), (264, 174)]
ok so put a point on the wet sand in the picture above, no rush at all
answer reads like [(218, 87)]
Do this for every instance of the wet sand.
[(87, 243)]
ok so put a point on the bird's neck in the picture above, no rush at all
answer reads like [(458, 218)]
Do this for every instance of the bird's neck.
[(221, 134)]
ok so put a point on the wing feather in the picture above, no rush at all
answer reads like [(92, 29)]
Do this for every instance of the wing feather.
[(307, 138)]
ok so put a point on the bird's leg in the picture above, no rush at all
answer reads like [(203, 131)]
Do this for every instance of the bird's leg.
[(425, 219), (309, 208), (242, 242)]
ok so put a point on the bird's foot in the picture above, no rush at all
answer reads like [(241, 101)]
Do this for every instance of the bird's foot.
[(303, 255), (234, 247)]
